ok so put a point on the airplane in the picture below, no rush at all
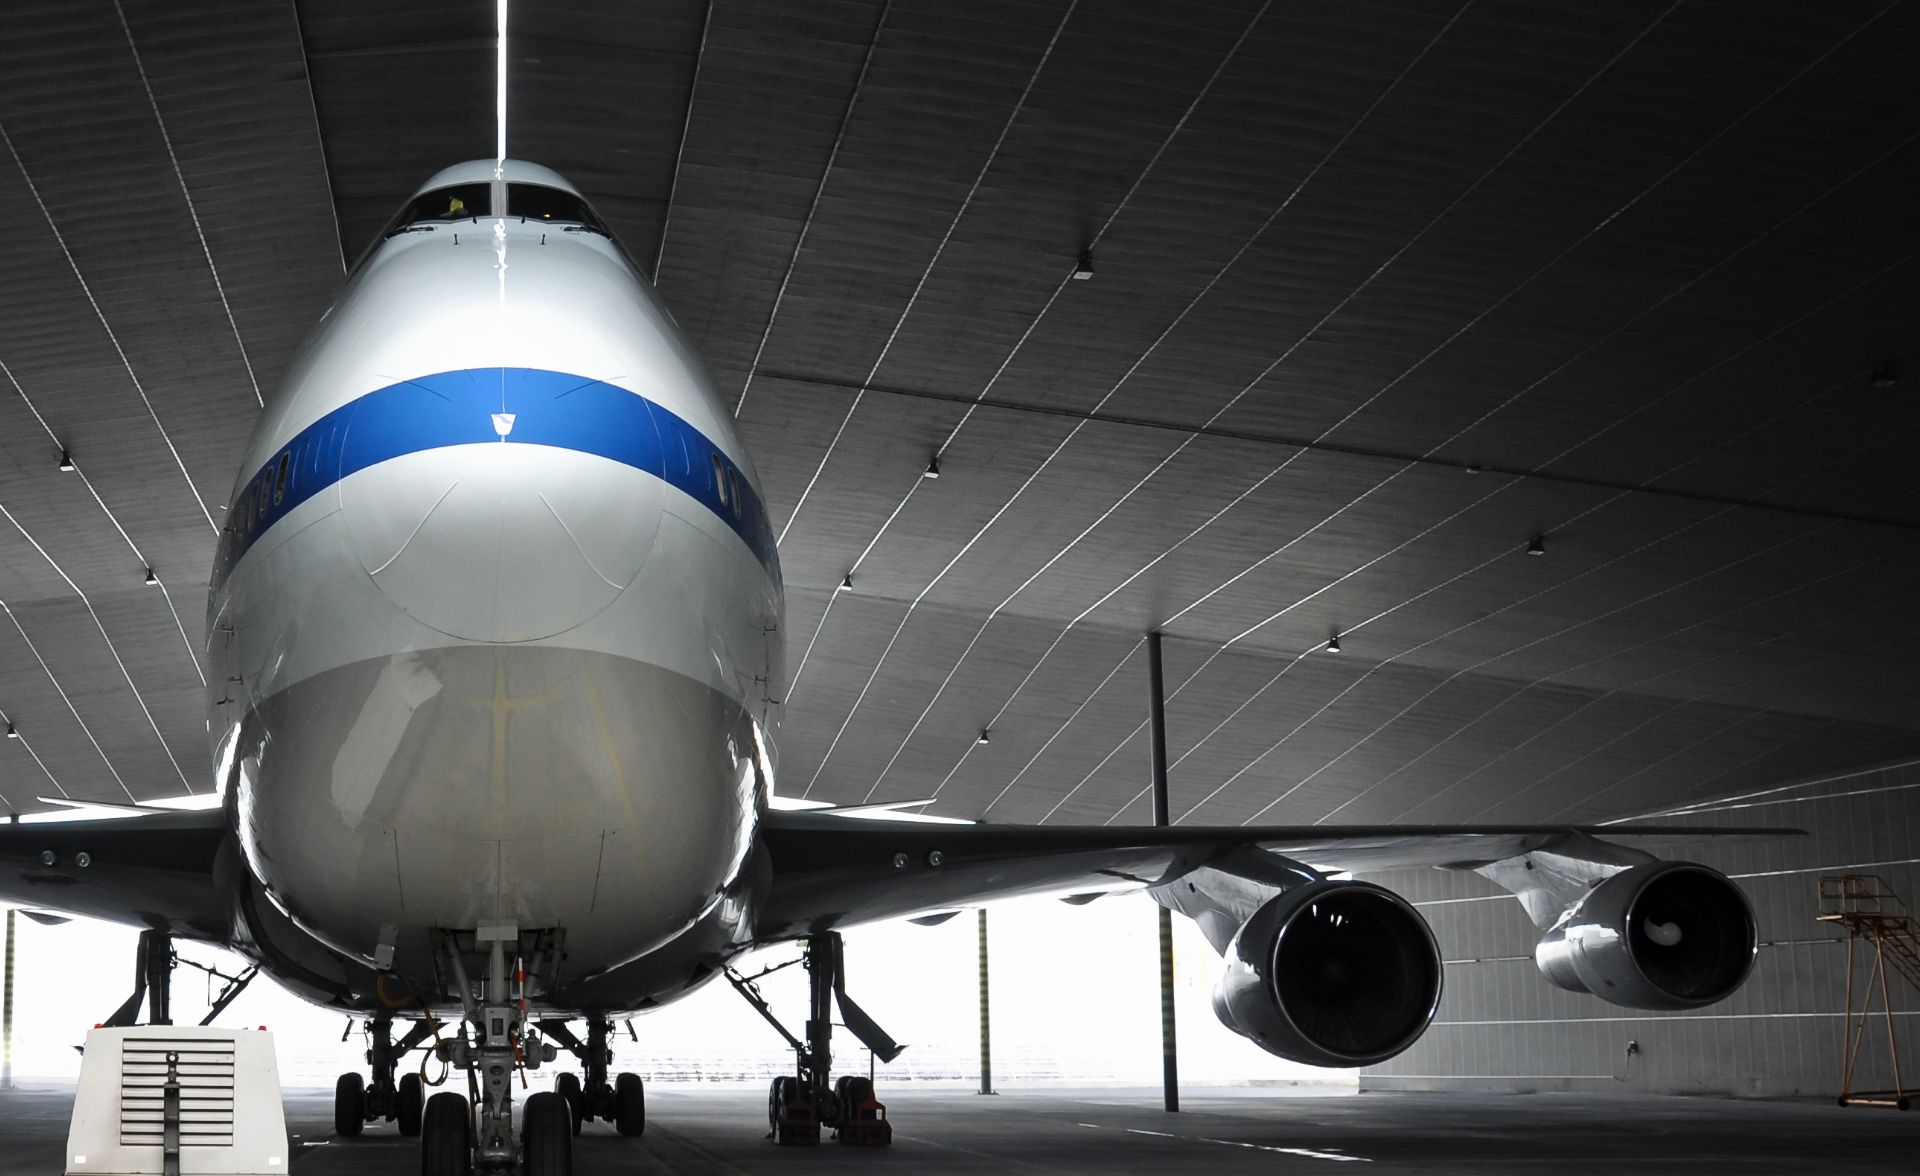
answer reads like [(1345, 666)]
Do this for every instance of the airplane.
[(496, 621)]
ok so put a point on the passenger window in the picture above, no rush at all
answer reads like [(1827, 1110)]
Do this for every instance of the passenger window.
[(720, 479), (280, 480), (738, 499), (261, 492)]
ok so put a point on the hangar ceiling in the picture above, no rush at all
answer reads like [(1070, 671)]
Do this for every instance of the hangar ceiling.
[(1379, 293)]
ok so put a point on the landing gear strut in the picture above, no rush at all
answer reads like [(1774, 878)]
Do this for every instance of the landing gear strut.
[(489, 1058), (152, 982), (799, 1104)]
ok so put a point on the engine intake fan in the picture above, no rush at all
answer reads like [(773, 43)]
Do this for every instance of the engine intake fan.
[(1331, 974), (1662, 935)]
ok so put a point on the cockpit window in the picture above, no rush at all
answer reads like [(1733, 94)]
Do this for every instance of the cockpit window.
[(462, 202), (536, 202)]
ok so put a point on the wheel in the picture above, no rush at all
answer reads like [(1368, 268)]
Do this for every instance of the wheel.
[(568, 1086), (446, 1147), (546, 1136), (857, 1093), (629, 1104), (408, 1101), (787, 1094), (349, 1105), (784, 1088)]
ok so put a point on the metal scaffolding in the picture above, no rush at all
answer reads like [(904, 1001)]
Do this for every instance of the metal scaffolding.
[(1881, 944)]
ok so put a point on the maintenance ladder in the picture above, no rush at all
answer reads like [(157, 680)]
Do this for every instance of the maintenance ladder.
[(1873, 914)]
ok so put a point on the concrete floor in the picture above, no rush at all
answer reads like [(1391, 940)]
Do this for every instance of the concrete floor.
[(706, 1130)]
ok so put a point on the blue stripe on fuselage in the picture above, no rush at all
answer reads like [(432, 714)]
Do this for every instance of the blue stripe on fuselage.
[(457, 408)]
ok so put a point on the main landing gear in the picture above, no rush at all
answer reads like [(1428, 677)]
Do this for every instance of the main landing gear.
[(358, 1100), (154, 962), (622, 1102), (800, 1103)]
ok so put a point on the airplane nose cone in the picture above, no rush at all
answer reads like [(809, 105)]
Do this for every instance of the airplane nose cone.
[(500, 542)]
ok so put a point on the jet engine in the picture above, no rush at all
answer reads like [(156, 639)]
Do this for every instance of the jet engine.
[(1660, 935), (1331, 974)]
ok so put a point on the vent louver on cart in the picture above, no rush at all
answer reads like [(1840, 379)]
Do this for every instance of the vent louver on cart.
[(206, 1091)]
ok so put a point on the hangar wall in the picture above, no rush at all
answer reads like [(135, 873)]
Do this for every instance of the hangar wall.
[(1502, 1027)]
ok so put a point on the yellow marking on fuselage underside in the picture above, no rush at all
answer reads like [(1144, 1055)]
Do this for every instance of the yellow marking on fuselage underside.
[(619, 769), (502, 705)]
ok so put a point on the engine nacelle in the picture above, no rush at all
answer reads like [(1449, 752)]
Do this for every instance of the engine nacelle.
[(1331, 974), (1661, 935)]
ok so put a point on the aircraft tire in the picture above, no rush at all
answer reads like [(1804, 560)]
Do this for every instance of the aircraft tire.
[(446, 1147), (349, 1105), (629, 1104), (409, 1100), (568, 1086), (546, 1136), (857, 1093)]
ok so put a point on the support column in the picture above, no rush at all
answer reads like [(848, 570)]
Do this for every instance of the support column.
[(986, 1024), (1157, 731), (6, 1015)]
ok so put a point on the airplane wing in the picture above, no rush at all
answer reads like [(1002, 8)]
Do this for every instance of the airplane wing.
[(152, 871), (832, 872)]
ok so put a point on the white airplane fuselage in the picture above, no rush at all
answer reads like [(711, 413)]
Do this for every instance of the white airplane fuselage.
[(497, 617)]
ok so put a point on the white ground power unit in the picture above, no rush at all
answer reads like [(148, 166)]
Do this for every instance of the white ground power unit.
[(177, 1100)]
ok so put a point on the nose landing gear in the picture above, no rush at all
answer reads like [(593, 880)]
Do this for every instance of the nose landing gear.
[(801, 1103), (457, 1139)]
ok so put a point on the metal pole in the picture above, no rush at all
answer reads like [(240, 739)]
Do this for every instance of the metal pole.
[(1157, 729), (986, 1021), (6, 1015)]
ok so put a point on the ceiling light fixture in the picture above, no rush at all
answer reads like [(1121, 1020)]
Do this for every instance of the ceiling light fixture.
[(1333, 643), (1884, 375), (986, 737), (1537, 545), (152, 580), (66, 462), (846, 583), (932, 472), (1084, 268), (11, 733)]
